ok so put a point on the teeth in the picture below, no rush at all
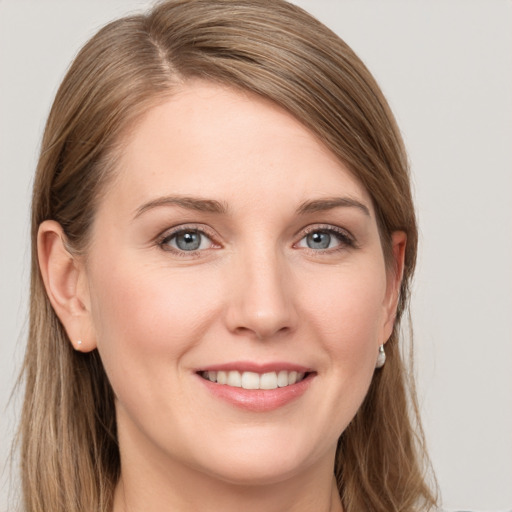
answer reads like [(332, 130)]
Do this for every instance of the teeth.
[(282, 379), (234, 379), (252, 380), (268, 381)]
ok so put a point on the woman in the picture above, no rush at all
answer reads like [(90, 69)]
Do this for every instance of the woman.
[(223, 240)]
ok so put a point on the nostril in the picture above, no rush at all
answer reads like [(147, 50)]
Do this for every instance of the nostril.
[(262, 333)]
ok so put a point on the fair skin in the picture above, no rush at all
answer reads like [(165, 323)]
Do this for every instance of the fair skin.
[(231, 241)]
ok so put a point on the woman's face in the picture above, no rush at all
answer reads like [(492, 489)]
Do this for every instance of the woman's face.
[(233, 249)]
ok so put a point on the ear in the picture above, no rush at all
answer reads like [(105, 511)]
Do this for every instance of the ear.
[(66, 285), (395, 273)]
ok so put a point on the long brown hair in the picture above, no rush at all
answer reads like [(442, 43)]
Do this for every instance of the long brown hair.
[(69, 452)]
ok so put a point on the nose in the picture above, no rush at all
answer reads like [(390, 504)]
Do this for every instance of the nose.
[(261, 301)]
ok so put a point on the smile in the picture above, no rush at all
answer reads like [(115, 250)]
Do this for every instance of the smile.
[(253, 380), (256, 387)]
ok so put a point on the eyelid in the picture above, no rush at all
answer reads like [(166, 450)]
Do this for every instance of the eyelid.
[(161, 240), (346, 238)]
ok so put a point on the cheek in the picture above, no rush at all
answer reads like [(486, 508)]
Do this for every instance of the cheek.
[(344, 312), (349, 312), (145, 314)]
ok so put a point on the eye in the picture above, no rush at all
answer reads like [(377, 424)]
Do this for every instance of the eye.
[(326, 238), (187, 240), (319, 240)]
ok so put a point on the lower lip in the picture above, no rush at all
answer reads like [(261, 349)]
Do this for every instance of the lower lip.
[(258, 400)]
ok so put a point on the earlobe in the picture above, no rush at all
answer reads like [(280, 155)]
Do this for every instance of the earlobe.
[(394, 280), (63, 278)]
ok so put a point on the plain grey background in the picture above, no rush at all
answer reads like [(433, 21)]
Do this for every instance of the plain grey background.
[(446, 68)]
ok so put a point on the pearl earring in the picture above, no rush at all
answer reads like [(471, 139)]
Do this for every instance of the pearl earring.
[(79, 342), (381, 358)]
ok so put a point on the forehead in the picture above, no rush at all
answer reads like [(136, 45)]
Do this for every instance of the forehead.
[(213, 141)]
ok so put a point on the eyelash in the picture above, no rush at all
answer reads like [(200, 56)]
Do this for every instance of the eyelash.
[(164, 239), (345, 239)]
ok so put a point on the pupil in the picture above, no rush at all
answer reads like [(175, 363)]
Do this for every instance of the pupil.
[(318, 240), (189, 241)]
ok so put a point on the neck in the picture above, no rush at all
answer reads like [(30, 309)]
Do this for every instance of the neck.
[(189, 491)]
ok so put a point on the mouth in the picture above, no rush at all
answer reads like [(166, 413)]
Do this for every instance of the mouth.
[(257, 387), (253, 380)]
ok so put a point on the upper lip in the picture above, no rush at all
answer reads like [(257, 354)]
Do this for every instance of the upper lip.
[(251, 366)]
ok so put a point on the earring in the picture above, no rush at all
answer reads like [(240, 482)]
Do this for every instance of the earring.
[(381, 358), (79, 342)]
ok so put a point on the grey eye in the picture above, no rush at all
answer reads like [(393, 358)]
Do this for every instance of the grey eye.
[(188, 240), (318, 240), (322, 239)]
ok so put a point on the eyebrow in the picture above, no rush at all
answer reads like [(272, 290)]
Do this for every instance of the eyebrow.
[(187, 202), (213, 206), (320, 205)]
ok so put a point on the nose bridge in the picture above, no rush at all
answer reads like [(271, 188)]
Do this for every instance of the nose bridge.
[(262, 301)]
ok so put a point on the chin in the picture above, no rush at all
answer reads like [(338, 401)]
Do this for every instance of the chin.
[(261, 472), (264, 461)]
